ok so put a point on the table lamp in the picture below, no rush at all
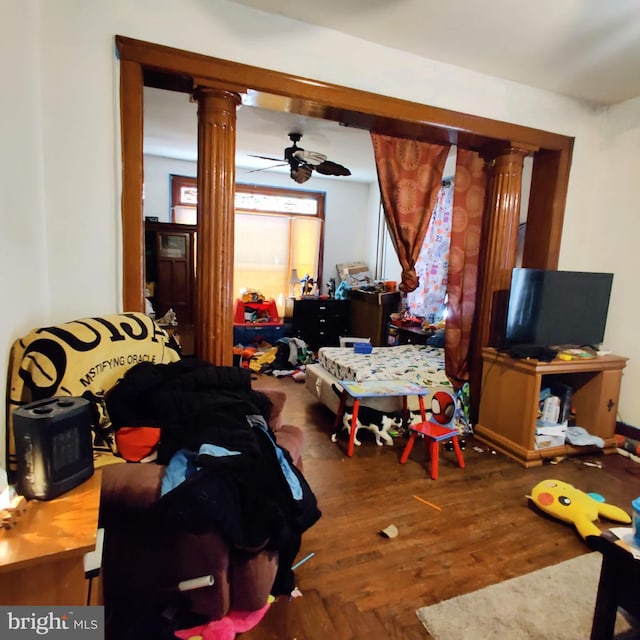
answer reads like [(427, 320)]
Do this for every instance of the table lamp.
[(294, 279)]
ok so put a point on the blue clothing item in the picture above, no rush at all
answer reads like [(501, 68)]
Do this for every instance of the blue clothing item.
[(258, 422), (216, 451), (182, 465), (179, 468), (579, 436)]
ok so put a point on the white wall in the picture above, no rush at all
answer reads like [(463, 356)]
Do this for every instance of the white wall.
[(614, 242), (61, 145), (157, 183), (24, 260)]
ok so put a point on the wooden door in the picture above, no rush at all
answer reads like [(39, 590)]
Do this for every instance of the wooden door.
[(174, 254)]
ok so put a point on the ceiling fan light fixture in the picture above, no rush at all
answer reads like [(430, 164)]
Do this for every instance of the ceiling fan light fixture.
[(301, 173)]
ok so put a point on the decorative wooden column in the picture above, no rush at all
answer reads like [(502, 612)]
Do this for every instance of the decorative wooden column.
[(499, 240), (216, 189), (499, 249)]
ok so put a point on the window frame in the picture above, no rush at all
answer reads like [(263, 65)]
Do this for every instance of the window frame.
[(180, 181)]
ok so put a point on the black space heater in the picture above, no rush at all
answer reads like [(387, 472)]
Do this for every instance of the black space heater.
[(53, 446)]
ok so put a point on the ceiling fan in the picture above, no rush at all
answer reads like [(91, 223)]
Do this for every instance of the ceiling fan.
[(303, 163)]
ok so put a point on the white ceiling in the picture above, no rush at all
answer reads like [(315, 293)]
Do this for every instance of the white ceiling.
[(170, 130), (585, 49)]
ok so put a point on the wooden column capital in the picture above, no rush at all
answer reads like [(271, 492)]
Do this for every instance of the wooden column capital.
[(222, 97), (506, 152)]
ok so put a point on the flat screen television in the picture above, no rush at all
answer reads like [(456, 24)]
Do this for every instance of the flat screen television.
[(557, 308)]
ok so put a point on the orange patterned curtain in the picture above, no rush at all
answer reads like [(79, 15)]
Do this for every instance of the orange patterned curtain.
[(410, 175), (466, 225)]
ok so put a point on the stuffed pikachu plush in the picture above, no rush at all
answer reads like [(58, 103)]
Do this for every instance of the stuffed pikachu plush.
[(565, 502)]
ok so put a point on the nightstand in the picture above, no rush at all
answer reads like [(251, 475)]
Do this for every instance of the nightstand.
[(412, 335)]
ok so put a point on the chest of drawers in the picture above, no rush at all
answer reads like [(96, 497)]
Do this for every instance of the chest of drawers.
[(320, 322)]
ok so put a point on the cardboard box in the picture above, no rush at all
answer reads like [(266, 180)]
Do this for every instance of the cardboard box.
[(546, 441)]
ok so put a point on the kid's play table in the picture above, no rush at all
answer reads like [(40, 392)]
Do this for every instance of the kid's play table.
[(376, 389)]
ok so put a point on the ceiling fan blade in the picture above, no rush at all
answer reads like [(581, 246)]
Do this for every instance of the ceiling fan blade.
[(251, 155), (308, 157), (329, 168), (273, 166)]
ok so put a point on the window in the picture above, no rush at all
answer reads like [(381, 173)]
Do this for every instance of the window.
[(184, 199), (276, 230)]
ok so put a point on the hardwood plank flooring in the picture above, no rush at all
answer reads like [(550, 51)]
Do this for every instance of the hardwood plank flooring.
[(361, 586)]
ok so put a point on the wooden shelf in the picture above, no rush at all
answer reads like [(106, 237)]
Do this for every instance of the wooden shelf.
[(510, 397)]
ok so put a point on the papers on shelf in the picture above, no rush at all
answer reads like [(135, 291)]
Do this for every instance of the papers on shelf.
[(551, 429), (550, 434)]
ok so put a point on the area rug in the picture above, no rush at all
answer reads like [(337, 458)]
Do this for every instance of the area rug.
[(556, 602)]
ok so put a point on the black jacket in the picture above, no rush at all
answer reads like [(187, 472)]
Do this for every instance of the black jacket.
[(246, 497)]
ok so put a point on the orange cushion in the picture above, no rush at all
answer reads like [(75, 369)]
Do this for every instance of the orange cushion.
[(136, 443)]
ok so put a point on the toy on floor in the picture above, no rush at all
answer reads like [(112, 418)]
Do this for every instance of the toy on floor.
[(628, 446), (565, 502), (226, 628)]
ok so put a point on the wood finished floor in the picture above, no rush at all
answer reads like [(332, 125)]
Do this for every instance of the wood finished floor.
[(361, 586)]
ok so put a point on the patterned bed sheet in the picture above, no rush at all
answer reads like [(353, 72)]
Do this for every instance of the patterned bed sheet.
[(421, 364)]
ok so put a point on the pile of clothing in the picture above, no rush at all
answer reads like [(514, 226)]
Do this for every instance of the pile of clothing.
[(225, 471)]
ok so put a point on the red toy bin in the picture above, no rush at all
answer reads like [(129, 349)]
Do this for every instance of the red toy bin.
[(266, 312)]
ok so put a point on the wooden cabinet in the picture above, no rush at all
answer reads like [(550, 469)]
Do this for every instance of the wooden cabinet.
[(370, 314), (42, 559), (320, 322), (510, 395), (170, 274)]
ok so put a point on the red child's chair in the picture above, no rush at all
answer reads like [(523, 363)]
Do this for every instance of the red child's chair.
[(438, 428)]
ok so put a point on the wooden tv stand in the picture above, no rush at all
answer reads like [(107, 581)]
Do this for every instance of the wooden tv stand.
[(510, 399)]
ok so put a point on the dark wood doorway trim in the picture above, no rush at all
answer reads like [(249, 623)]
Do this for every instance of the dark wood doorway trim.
[(181, 69)]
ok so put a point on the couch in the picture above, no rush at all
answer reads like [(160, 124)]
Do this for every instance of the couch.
[(144, 558)]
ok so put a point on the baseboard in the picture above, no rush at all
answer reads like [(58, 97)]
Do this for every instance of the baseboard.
[(628, 431)]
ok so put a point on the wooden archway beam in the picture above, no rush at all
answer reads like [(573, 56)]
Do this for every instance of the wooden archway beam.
[(333, 102)]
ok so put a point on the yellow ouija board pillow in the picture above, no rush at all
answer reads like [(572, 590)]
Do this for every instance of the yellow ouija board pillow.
[(83, 358)]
